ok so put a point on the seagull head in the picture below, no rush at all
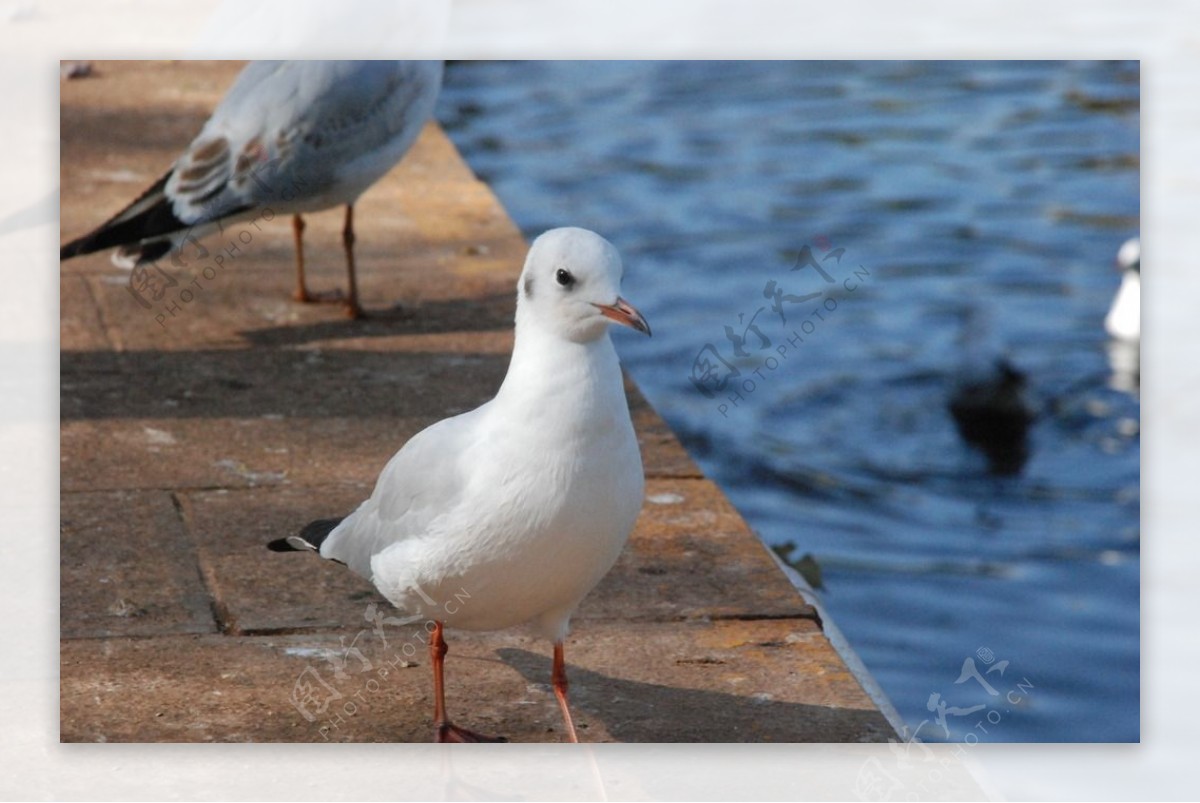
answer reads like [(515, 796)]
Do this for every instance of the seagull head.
[(1129, 258), (571, 286)]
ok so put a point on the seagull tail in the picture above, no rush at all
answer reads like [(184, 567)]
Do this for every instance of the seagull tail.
[(310, 538), (149, 217)]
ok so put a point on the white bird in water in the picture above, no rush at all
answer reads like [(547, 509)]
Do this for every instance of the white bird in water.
[(1124, 319), (511, 513), (291, 137)]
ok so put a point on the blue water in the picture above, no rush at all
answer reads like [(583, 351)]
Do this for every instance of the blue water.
[(979, 206)]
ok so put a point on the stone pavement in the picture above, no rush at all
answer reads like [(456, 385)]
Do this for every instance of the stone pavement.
[(199, 428)]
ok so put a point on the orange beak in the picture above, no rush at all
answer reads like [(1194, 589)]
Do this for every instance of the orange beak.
[(626, 314)]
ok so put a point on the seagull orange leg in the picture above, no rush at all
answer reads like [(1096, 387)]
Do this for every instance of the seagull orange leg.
[(559, 677), (302, 295), (443, 729), (298, 235), (352, 307)]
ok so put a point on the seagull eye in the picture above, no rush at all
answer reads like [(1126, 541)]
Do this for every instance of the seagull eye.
[(564, 277)]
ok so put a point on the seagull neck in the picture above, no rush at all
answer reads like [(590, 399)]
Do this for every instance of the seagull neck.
[(544, 366)]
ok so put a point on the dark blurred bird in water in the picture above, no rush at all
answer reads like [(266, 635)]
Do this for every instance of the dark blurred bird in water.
[(993, 414)]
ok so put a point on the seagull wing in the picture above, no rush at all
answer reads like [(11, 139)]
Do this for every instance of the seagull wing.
[(330, 125), (422, 483)]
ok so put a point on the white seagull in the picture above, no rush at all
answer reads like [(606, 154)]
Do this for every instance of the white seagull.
[(1124, 319), (289, 136), (522, 505)]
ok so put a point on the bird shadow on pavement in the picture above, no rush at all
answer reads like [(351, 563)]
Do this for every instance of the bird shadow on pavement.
[(251, 383), (492, 312), (633, 711)]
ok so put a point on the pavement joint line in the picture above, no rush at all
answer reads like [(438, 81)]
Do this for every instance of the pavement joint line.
[(111, 333), (189, 489), (759, 617), (333, 629), (178, 634), (223, 620)]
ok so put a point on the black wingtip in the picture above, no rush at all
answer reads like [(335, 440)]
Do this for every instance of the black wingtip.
[(310, 538), (156, 219), (72, 249), (315, 532)]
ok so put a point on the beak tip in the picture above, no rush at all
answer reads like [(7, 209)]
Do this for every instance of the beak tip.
[(625, 314)]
